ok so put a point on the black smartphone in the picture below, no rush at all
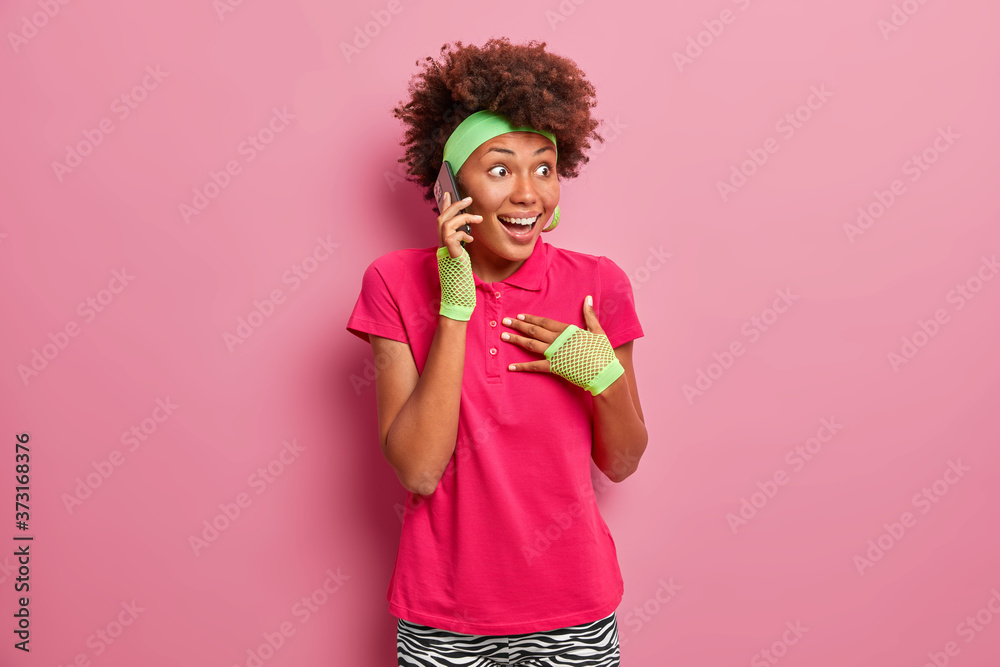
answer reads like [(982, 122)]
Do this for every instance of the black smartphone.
[(446, 183)]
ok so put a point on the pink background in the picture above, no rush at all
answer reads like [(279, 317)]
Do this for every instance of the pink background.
[(703, 266)]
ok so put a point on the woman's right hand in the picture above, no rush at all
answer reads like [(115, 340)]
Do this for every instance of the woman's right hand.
[(450, 222)]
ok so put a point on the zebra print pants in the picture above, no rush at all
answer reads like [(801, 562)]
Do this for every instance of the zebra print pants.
[(591, 644)]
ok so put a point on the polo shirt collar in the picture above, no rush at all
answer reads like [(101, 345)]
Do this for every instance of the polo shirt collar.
[(529, 275)]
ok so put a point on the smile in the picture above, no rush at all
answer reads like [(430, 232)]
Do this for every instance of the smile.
[(524, 222), (519, 229)]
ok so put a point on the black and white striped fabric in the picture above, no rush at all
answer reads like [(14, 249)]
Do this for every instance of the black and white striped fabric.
[(591, 644)]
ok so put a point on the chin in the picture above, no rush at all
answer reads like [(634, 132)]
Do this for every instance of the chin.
[(520, 251)]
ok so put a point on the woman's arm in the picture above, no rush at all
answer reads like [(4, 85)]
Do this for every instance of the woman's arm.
[(418, 414), (619, 428)]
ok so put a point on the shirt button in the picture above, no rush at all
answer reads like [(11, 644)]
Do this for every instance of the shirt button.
[(493, 323), (493, 350), (496, 294)]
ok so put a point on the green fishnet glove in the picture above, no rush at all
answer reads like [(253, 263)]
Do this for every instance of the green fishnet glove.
[(584, 358), (458, 287)]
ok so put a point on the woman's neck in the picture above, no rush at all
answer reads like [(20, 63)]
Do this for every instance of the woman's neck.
[(495, 268)]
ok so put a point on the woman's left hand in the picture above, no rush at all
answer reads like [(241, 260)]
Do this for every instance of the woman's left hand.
[(536, 333)]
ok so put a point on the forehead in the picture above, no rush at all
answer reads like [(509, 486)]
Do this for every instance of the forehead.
[(524, 144)]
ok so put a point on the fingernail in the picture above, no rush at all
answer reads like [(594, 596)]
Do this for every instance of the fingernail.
[(467, 199), (520, 317), (506, 320), (511, 367), (505, 336), (590, 300)]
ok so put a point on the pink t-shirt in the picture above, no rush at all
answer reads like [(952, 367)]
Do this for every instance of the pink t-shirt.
[(512, 540)]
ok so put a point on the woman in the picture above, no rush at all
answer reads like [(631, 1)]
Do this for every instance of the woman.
[(500, 377)]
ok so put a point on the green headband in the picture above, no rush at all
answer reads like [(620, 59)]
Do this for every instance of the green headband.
[(475, 131)]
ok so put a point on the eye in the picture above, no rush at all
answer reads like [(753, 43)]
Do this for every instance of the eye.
[(503, 171)]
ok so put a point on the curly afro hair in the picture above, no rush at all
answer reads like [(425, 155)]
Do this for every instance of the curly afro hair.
[(523, 82)]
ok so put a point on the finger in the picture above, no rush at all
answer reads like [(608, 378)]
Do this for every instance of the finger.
[(530, 344), (459, 236), (540, 366), (442, 207), (455, 207), (462, 219), (539, 327), (449, 210), (590, 317), (454, 241), (531, 330), (450, 227)]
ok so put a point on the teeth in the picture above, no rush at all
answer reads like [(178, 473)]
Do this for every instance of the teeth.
[(520, 221)]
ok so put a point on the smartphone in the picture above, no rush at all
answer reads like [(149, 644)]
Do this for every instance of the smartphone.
[(446, 183)]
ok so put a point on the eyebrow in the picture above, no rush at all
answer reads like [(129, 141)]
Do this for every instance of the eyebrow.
[(510, 152)]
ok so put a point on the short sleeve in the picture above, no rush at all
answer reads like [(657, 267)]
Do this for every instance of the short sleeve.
[(376, 311), (615, 305)]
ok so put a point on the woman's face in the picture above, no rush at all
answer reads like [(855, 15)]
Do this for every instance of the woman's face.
[(510, 176)]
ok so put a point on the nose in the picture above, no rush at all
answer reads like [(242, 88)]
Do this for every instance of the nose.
[(524, 191)]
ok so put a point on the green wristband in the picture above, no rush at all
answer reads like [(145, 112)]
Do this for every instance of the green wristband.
[(458, 287), (584, 358)]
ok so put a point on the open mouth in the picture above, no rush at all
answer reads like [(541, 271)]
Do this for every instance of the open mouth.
[(518, 226)]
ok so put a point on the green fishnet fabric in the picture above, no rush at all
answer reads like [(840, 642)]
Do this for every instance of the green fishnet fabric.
[(584, 358), (458, 287)]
